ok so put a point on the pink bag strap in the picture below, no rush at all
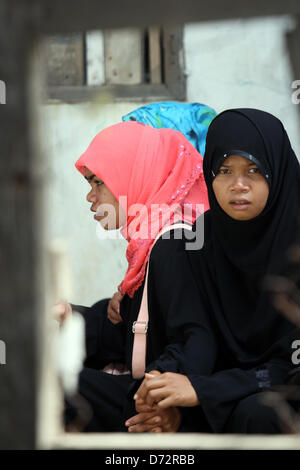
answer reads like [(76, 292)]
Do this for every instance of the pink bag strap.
[(140, 326)]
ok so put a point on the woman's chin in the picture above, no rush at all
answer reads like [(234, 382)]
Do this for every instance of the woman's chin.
[(107, 227)]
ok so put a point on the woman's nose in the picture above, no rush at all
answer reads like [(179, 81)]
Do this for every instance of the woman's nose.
[(91, 197), (239, 184)]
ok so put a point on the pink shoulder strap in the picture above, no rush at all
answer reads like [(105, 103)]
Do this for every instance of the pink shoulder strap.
[(140, 326)]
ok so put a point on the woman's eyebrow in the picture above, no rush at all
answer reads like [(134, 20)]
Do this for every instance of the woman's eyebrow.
[(90, 178), (249, 164)]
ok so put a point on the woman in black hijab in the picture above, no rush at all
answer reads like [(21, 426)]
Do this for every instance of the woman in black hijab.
[(253, 181)]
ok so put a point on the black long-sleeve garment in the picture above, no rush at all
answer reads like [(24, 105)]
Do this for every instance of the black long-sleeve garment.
[(175, 318), (183, 338), (179, 336), (254, 339)]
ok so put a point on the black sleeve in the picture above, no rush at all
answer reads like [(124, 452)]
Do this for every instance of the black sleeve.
[(190, 343), (169, 360), (219, 393), (104, 340)]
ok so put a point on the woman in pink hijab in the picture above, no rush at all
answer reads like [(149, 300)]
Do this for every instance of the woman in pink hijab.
[(143, 180)]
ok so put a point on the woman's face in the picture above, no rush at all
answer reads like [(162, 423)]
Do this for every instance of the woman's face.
[(240, 188), (108, 211)]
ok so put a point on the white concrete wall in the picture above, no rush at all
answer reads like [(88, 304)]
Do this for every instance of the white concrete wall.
[(243, 63), (97, 265), (229, 64)]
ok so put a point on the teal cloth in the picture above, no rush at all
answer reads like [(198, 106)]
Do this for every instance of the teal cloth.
[(191, 119)]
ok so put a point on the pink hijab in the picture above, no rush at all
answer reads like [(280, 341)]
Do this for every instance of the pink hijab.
[(159, 172)]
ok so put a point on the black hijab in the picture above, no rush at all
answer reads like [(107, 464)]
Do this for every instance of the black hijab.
[(237, 255)]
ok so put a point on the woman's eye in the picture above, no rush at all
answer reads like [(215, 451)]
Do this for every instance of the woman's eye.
[(254, 170), (223, 171), (98, 183)]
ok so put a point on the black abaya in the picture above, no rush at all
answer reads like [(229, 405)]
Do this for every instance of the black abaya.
[(254, 339), (173, 304)]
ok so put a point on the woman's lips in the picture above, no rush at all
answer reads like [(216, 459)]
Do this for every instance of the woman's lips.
[(240, 205), (97, 215)]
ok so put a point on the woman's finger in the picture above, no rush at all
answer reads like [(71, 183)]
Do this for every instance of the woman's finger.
[(141, 393), (116, 299), (156, 430), (142, 407), (141, 418), (113, 308), (167, 402), (150, 382), (61, 310), (142, 427), (58, 309), (113, 317), (115, 305), (155, 395), (118, 296)]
